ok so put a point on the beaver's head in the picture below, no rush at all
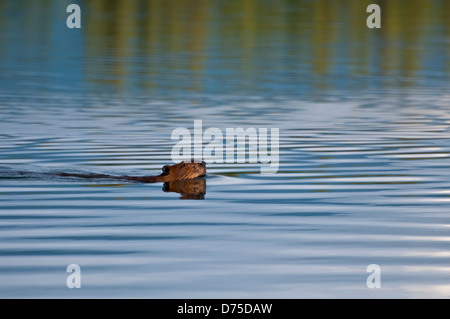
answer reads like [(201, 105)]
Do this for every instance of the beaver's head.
[(183, 171)]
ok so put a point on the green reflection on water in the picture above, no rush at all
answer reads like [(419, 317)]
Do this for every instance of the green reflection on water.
[(241, 46)]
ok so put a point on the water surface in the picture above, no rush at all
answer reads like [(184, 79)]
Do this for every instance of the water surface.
[(364, 149)]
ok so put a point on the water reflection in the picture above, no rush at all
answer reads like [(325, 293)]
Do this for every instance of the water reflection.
[(364, 148), (189, 189), (251, 47)]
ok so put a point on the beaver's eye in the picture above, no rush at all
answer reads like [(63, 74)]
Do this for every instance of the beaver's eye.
[(184, 164), (166, 169)]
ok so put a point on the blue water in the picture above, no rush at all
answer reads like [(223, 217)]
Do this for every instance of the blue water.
[(364, 175)]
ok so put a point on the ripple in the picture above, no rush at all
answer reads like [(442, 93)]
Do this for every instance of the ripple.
[(364, 172)]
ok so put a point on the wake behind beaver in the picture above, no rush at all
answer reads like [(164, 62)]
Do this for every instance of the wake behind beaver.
[(170, 173)]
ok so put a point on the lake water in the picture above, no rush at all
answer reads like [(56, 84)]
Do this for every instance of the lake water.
[(364, 173)]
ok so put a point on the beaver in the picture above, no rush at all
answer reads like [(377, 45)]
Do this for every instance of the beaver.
[(170, 173)]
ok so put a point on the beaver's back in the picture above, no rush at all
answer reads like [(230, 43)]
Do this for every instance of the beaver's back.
[(177, 172)]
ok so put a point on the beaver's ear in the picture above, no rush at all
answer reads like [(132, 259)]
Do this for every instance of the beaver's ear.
[(166, 169)]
